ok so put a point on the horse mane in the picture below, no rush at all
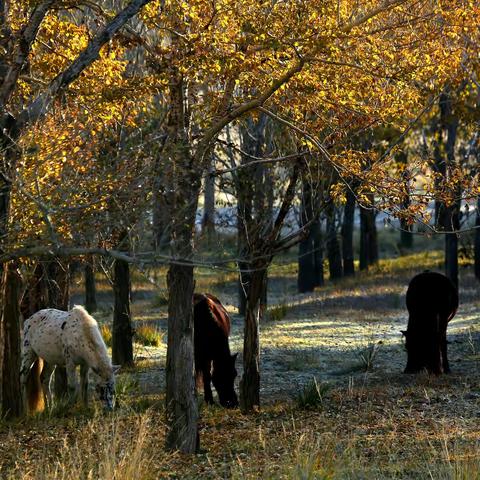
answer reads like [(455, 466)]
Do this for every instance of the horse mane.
[(92, 333)]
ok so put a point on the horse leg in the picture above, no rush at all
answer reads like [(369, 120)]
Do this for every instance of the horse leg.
[(28, 358), (84, 383), (446, 365), (207, 383), (72, 384), (46, 377)]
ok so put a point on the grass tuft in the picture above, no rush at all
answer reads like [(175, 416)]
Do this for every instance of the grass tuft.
[(148, 335), (106, 332), (278, 312), (311, 395), (368, 356)]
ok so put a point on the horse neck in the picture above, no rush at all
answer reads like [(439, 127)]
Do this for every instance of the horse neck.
[(221, 352)]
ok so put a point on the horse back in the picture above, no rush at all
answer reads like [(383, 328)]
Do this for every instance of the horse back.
[(211, 328)]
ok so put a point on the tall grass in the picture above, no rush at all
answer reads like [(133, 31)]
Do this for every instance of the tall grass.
[(99, 450)]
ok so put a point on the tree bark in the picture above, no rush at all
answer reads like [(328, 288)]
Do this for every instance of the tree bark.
[(477, 241), (368, 236), (406, 236), (449, 214), (310, 249), (333, 247), (208, 219), (347, 235), (250, 383), (122, 332), (12, 405), (90, 285), (184, 171)]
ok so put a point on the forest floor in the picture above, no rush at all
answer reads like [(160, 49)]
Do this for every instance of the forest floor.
[(361, 418)]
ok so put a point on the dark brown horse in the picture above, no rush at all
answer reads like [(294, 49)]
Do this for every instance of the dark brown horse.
[(213, 361), (432, 301)]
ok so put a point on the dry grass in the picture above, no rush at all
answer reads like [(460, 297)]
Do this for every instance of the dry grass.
[(378, 424)]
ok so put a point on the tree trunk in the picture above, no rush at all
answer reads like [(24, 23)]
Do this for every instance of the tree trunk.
[(333, 247), (477, 241), (90, 286), (185, 172), (161, 227), (250, 383), (310, 249), (368, 236), (49, 287), (122, 332), (449, 215), (406, 236), (208, 219), (12, 405), (58, 291), (347, 235)]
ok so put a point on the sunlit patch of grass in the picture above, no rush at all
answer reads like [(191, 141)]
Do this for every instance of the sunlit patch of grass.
[(148, 335)]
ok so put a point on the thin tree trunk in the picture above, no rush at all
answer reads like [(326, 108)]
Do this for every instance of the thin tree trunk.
[(161, 226), (208, 219), (122, 331), (477, 241), (310, 250), (250, 383), (347, 235), (58, 290), (90, 286), (406, 236), (450, 216), (368, 236), (12, 405), (333, 246)]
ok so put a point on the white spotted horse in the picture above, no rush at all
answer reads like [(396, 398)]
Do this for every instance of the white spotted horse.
[(53, 337), (213, 361)]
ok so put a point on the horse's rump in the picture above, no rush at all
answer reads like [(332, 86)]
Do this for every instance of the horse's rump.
[(215, 309)]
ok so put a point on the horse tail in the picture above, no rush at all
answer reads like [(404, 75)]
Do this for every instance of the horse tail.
[(33, 387)]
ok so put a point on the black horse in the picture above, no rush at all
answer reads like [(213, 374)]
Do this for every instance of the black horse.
[(213, 361), (432, 301)]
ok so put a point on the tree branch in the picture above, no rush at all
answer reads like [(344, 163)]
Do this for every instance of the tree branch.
[(23, 47), (39, 107)]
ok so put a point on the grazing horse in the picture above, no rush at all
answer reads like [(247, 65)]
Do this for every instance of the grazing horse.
[(54, 337), (432, 301), (213, 361)]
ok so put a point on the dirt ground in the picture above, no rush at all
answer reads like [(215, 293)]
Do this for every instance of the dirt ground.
[(374, 422)]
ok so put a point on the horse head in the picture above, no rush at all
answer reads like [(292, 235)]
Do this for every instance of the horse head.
[(105, 386), (223, 379)]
